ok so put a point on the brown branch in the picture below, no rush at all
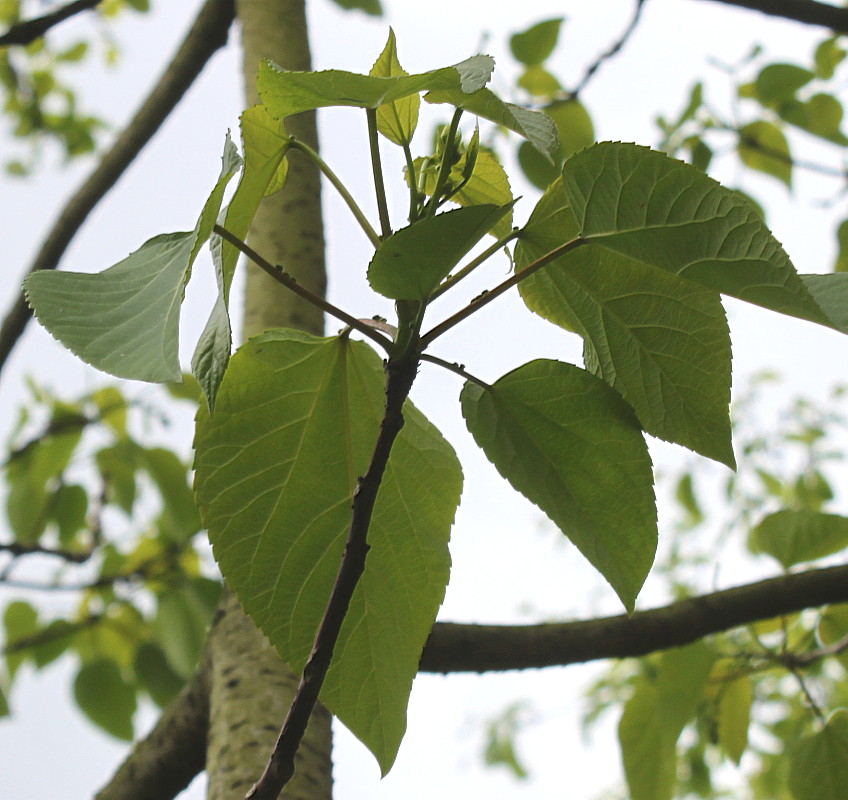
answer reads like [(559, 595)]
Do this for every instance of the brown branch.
[(19, 549), (162, 764), (485, 648), (29, 30), (207, 35), (400, 375), (807, 12)]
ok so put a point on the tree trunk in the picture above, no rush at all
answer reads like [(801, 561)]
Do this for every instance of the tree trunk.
[(250, 687)]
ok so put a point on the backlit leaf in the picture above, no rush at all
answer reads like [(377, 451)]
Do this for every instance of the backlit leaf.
[(534, 45), (647, 206), (662, 342), (763, 147), (106, 698), (734, 716), (779, 82), (396, 120), (793, 537), (20, 621), (818, 765), (569, 443), (277, 463), (654, 718)]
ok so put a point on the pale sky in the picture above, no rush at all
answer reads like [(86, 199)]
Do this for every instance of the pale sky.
[(501, 561)]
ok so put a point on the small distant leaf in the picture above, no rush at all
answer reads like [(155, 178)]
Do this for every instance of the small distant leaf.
[(396, 120), (155, 675), (117, 465), (534, 45), (412, 262), (793, 537), (829, 55), (285, 93), (181, 621), (734, 716), (763, 147), (106, 698), (181, 518), (818, 765), (501, 734), (538, 82), (371, 7), (645, 205), (537, 128), (55, 638), (841, 263), (684, 493), (779, 82), (69, 509), (575, 130), (833, 627), (20, 621), (654, 718), (308, 410), (570, 444), (112, 407), (4, 704), (820, 115)]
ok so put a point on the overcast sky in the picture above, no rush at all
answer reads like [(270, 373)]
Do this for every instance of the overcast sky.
[(503, 561)]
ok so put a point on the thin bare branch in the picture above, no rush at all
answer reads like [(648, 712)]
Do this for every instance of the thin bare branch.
[(807, 12), (22, 33), (207, 35)]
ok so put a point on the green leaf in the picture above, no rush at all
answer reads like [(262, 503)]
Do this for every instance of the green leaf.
[(570, 444), (155, 675), (833, 627), (818, 765), (396, 120), (793, 537), (537, 128), (763, 147), (20, 621), (106, 698), (117, 465), (285, 93), (32, 475), (538, 82), (841, 263), (501, 734), (654, 718), (55, 638), (181, 519), (829, 55), (112, 407), (779, 82), (831, 294), (734, 717), (125, 320), (534, 45), (182, 618), (307, 411), (663, 212), (820, 115), (660, 341), (412, 262), (68, 509), (265, 168), (4, 704), (371, 7)]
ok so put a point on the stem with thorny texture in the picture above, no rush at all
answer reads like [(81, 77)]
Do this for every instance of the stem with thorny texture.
[(400, 374)]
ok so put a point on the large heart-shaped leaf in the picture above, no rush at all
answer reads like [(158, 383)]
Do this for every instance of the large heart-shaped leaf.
[(277, 463), (663, 212), (662, 342), (568, 442)]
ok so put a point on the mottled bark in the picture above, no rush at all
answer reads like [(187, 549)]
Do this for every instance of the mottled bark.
[(251, 688)]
